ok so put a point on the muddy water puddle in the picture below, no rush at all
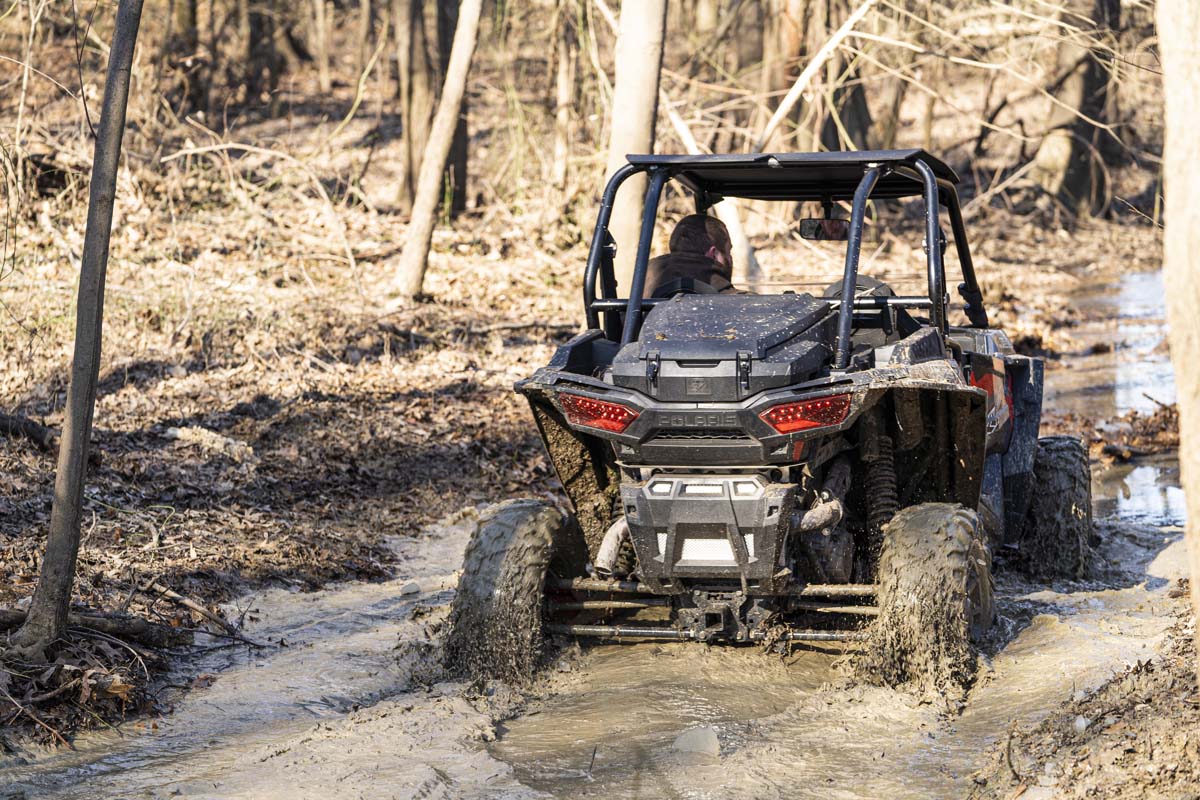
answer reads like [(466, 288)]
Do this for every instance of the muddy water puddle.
[(337, 712), (1124, 367), (785, 732), (1123, 364)]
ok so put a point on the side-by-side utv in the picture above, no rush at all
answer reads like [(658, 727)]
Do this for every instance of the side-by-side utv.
[(750, 467)]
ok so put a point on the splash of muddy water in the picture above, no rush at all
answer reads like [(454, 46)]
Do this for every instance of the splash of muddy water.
[(336, 712)]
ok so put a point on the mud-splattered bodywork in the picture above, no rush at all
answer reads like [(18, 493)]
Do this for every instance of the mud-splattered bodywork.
[(756, 480)]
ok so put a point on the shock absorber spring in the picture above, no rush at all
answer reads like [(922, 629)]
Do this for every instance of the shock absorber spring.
[(882, 498)]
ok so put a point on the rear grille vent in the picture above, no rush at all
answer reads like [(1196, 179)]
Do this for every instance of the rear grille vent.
[(702, 433)]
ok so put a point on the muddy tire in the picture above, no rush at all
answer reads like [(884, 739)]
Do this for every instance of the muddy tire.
[(935, 597), (1055, 541), (496, 616)]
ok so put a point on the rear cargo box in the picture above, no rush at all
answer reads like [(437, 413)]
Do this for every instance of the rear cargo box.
[(725, 347)]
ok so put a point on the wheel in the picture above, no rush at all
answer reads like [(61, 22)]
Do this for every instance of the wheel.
[(497, 613), (935, 598), (1055, 540)]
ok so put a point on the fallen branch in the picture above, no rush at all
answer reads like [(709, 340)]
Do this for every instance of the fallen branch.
[(45, 438), (229, 629), (119, 627), (53, 693), (187, 602), (1008, 753)]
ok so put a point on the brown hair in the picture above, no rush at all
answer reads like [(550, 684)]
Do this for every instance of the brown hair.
[(697, 233)]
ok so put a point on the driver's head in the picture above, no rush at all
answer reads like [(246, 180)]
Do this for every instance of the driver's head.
[(703, 235)]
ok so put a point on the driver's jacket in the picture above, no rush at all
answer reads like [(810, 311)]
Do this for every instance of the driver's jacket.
[(665, 270)]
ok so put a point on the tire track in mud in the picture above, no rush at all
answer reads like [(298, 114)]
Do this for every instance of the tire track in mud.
[(335, 712), (795, 731)]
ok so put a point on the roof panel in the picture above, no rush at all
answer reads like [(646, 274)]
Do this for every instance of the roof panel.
[(795, 176)]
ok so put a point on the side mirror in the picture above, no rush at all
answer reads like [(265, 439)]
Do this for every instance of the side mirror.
[(825, 230)]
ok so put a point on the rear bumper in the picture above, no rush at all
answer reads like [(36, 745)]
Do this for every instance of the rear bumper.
[(695, 527)]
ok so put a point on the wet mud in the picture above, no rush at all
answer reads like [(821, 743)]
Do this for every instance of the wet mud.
[(789, 730), (355, 705)]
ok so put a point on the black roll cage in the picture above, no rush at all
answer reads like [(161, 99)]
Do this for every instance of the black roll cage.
[(622, 317)]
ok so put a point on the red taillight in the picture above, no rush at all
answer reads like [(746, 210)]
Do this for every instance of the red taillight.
[(597, 413), (803, 415)]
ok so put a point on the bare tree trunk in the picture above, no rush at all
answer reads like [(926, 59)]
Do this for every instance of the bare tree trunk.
[(707, 17), (402, 24), (885, 127), (186, 36), (564, 92), (927, 118), (1178, 33), (415, 93), (784, 22), (635, 105), (47, 618), (410, 275), (816, 61), (321, 45), (848, 124), (180, 52), (366, 24), (456, 169), (1068, 162), (262, 59)]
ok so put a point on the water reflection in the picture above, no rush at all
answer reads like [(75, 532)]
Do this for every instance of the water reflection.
[(1123, 368), (1146, 492), (1122, 364)]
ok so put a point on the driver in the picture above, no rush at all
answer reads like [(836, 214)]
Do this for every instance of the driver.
[(700, 253)]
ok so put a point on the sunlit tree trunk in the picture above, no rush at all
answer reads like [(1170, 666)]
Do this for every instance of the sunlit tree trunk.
[(321, 45), (414, 91), (1069, 160), (1179, 39), (635, 105), (787, 24), (47, 617), (410, 275), (564, 91), (707, 17), (885, 127)]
